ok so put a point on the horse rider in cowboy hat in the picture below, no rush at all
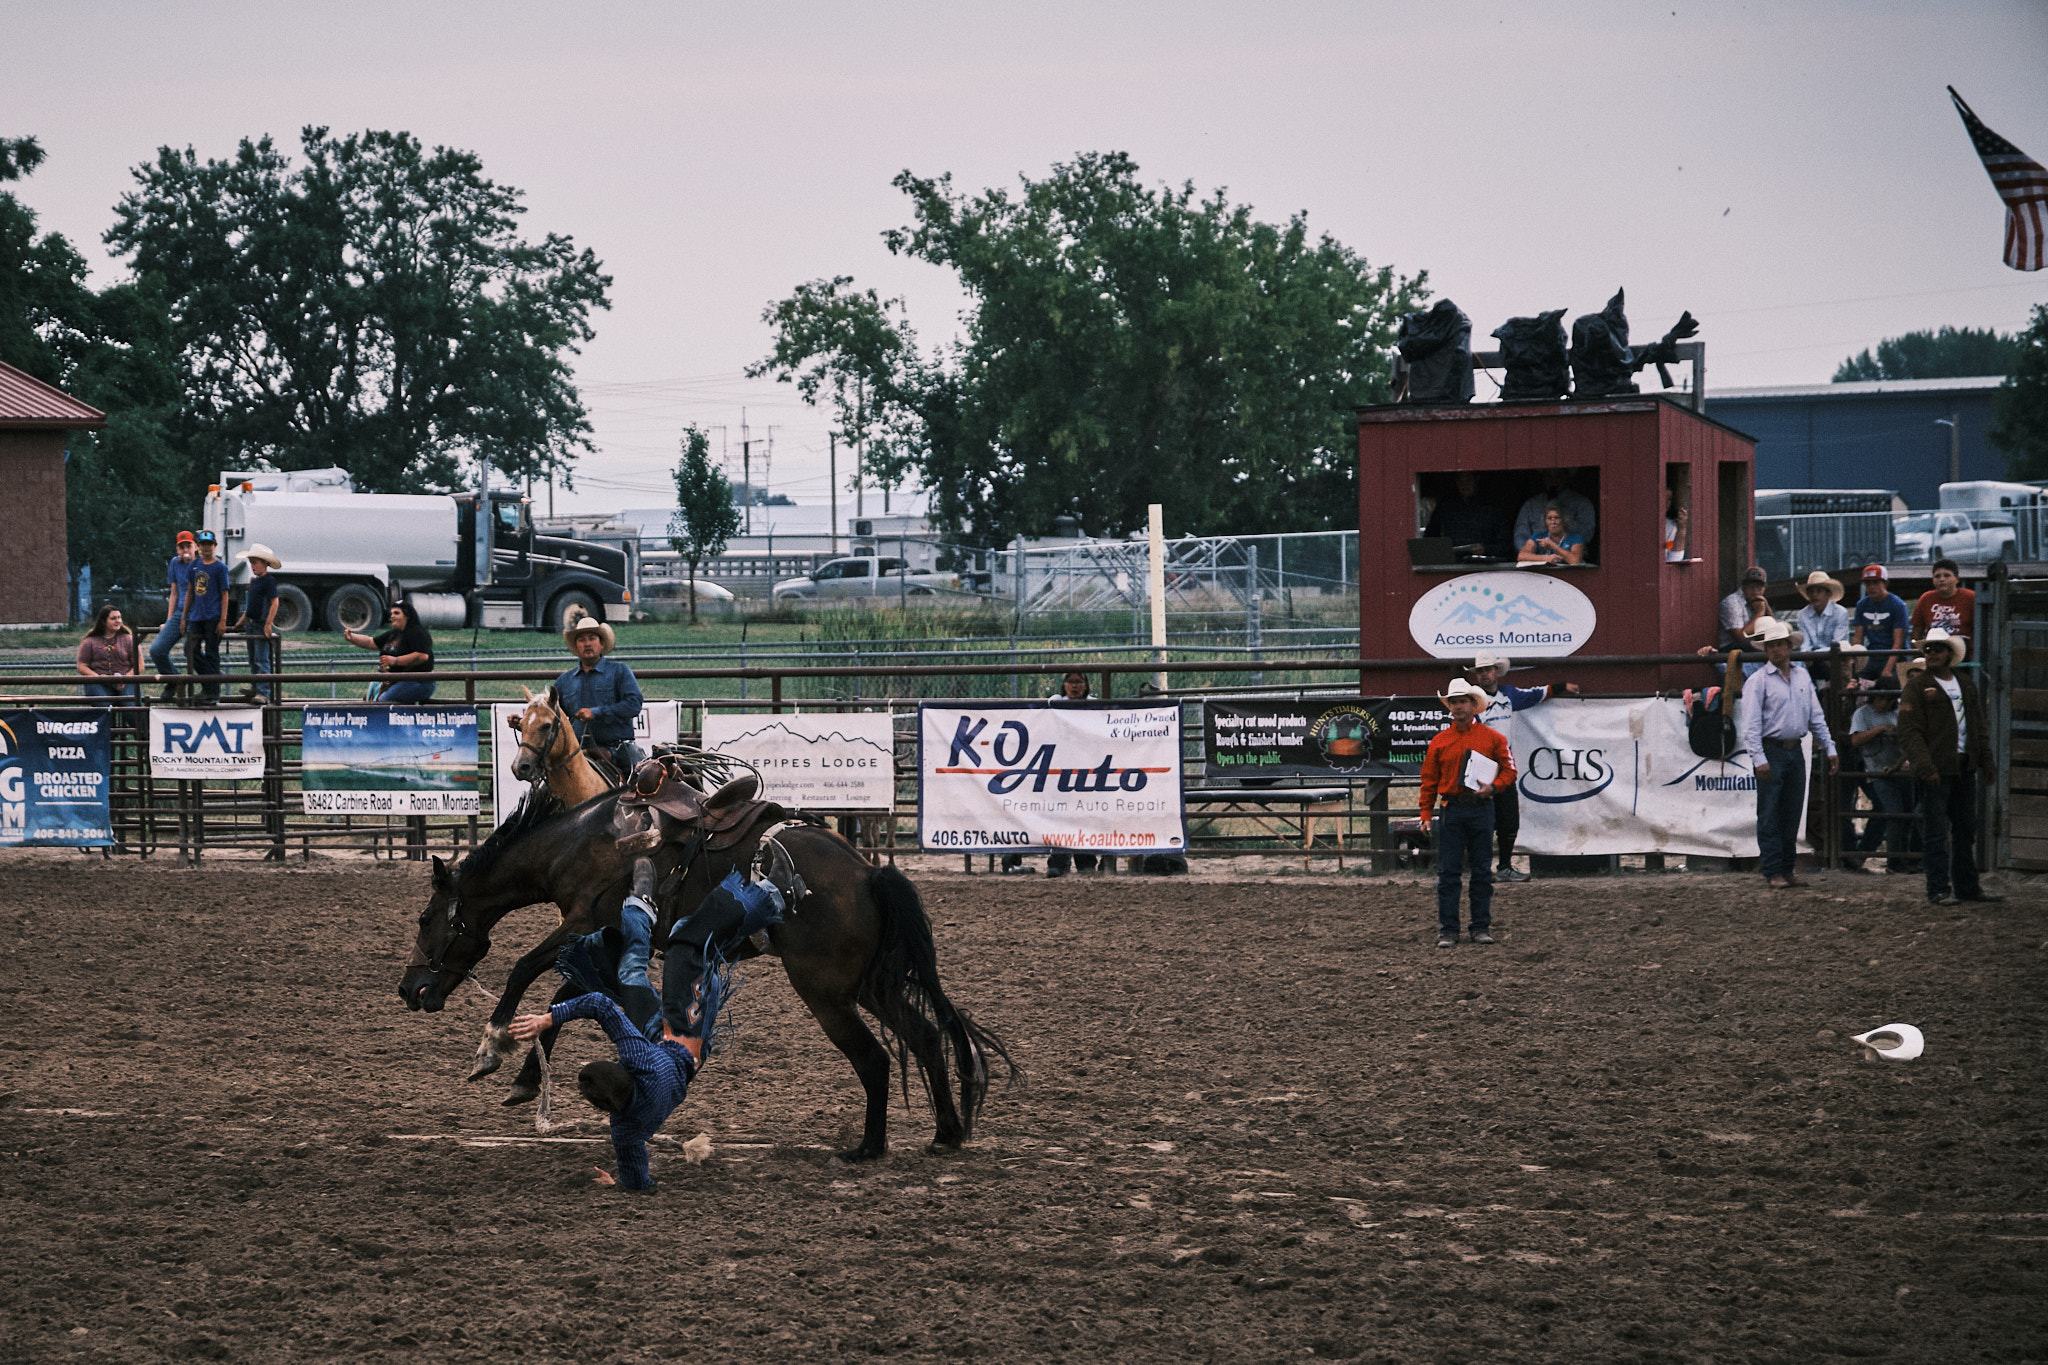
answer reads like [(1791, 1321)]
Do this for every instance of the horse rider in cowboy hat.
[(600, 695)]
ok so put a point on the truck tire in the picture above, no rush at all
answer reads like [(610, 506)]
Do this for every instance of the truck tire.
[(557, 619), (353, 606), (294, 609)]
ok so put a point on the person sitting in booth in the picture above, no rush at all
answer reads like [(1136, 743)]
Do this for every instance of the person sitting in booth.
[(1468, 519), (1577, 507), (1558, 544)]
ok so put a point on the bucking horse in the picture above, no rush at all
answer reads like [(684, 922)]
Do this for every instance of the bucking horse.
[(859, 940)]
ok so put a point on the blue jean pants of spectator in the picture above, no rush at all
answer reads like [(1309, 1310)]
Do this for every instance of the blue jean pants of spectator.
[(1948, 832), (260, 653), (115, 690), (407, 692), (202, 654), (1888, 796), (160, 650), (1780, 801), (1464, 839)]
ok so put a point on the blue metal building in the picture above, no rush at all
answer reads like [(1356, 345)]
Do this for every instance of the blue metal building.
[(1878, 434)]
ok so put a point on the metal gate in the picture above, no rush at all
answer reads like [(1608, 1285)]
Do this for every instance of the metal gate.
[(2012, 628)]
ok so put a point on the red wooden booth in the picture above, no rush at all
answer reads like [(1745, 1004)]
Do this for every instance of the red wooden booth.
[(1630, 457)]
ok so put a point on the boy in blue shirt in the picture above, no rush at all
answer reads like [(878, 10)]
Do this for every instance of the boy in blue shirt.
[(1879, 622), (206, 616), (179, 574)]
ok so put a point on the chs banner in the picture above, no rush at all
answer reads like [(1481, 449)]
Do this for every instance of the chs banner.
[(1096, 778), (55, 770)]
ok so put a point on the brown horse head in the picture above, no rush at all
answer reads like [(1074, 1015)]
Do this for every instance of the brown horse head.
[(447, 948), (546, 738)]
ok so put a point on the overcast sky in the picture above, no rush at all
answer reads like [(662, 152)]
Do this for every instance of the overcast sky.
[(1791, 172)]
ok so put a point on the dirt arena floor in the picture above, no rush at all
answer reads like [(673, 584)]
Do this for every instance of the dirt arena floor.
[(1266, 1120)]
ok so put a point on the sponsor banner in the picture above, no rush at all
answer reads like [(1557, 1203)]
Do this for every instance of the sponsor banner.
[(1310, 737), (658, 723), (398, 760), (55, 771), (1619, 777), (1411, 723), (827, 761), (218, 742), (1524, 613), (1007, 777)]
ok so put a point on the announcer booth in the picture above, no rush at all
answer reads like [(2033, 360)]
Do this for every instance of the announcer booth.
[(1437, 554)]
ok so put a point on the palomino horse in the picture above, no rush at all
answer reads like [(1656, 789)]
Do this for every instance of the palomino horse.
[(548, 750), (859, 939)]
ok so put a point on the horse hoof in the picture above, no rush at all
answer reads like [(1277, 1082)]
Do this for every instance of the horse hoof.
[(486, 1063), (941, 1147), (521, 1094), (854, 1155)]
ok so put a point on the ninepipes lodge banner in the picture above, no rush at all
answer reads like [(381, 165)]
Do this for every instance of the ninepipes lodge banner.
[(399, 760), (996, 777)]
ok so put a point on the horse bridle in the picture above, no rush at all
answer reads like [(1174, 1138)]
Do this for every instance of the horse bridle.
[(541, 750), (458, 931)]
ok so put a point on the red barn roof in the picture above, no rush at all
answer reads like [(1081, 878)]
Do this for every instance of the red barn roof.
[(28, 404)]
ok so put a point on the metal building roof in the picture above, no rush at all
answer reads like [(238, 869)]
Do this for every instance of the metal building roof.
[(1862, 388), (28, 404)]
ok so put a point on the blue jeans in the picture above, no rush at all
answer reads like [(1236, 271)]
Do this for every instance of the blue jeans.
[(160, 660), (1948, 833), (1780, 801), (1464, 838), (202, 654), (110, 690), (1888, 796), (636, 926), (406, 692), (260, 653)]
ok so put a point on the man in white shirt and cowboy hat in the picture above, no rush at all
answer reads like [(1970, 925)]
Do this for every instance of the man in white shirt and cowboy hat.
[(1780, 708), (600, 695), (1823, 622)]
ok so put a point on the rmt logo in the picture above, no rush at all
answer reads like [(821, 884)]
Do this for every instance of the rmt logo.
[(1008, 749), (184, 737)]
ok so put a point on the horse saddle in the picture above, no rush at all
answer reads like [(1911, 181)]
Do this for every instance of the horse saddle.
[(725, 817)]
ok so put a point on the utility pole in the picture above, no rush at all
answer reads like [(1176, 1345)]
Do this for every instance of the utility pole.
[(860, 447), (1955, 447), (832, 479), (746, 474)]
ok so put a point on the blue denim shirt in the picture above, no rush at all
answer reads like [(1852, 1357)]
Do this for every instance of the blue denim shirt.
[(661, 1078), (610, 691)]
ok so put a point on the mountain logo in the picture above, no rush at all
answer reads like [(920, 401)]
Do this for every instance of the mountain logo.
[(1520, 613)]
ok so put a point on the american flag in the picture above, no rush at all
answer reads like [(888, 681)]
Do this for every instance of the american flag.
[(2021, 183)]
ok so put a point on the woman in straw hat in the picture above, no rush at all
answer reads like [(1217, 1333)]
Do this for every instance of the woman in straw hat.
[(259, 614), (600, 695), (1823, 622)]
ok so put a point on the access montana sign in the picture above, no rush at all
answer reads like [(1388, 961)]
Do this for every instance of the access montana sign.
[(1524, 613)]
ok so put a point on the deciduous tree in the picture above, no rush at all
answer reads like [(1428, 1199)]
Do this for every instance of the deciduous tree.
[(705, 516), (1951, 353), (2019, 413)]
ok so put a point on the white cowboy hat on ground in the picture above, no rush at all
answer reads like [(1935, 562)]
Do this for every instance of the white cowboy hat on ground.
[(1819, 579), (1894, 1042), (264, 553), (1958, 645), (1461, 687), (1486, 658), (582, 622), (1773, 629)]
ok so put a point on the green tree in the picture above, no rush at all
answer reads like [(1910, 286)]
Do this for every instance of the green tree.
[(2019, 413), (1124, 345), (43, 297), (705, 515), (371, 307), (1951, 353)]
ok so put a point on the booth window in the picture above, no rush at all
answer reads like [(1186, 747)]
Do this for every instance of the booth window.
[(1475, 519), (1678, 547)]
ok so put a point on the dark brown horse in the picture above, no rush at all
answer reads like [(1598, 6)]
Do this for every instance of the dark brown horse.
[(859, 939)]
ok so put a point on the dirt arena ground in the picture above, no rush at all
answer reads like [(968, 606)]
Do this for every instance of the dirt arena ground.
[(1266, 1120)]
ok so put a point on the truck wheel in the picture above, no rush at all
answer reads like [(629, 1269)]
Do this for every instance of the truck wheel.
[(353, 606), (920, 592), (294, 609), (558, 610)]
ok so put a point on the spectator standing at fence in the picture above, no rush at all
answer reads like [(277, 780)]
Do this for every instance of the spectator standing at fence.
[(1577, 509), (108, 652), (1468, 519), (1879, 623), (1948, 604), (1780, 708), (1948, 749), (1874, 733), (1464, 836), (1073, 688), (1558, 543), (179, 574), (405, 648), (205, 617), (259, 615), (1497, 712), (1741, 613), (600, 694), (1823, 622)]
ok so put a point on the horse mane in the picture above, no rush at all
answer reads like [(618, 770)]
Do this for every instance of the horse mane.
[(535, 809)]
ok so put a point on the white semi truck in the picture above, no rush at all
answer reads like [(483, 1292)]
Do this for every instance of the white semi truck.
[(348, 555)]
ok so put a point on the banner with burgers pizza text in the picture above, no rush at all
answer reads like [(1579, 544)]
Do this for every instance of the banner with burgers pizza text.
[(1006, 777), (56, 770)]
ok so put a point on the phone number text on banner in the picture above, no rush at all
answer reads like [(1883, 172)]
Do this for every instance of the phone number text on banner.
[(55, 769), (401, 760), (996, 777)]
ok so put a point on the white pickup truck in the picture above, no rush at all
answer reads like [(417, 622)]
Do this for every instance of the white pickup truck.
[(863, 576)]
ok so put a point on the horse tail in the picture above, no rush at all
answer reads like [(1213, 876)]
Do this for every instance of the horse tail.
[(903, 981)]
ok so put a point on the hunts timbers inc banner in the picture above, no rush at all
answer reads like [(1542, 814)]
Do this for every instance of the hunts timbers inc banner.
[(996, 777), (1318, 736), (55, 769), (398, 760), (825, 761)]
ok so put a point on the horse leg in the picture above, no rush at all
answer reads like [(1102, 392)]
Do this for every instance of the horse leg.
[(923, 1041), (526, 1085), (850, 1034), (497, 1041)]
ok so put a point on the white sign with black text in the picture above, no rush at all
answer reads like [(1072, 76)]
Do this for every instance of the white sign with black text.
[(1006, 777), (217, 742), (1526, 613), (824, 761)]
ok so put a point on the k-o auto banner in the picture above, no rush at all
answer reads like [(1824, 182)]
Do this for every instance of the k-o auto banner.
[(1007, 777), (1621, 777), (219, 742), (55, 770)]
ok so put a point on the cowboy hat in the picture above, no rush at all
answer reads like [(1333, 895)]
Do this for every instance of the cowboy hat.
[(1819, 579), (1958, 645), (1772, 629), (581, 622), (1462, 688), (1486, 658), (263, 552)]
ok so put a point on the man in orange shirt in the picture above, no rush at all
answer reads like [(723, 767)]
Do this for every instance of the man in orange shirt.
[(1465, 834)]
